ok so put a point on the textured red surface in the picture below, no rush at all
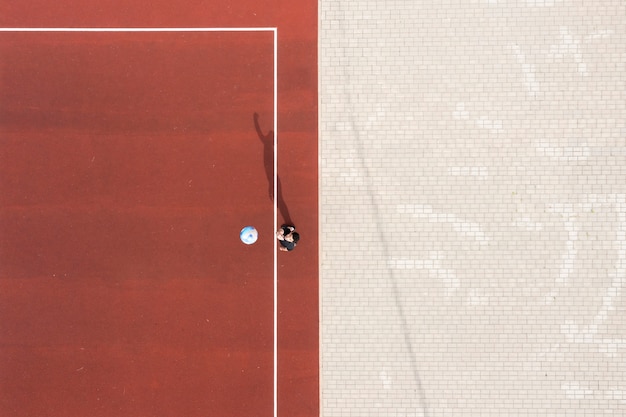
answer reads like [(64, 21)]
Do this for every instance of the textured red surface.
[(128, 164)]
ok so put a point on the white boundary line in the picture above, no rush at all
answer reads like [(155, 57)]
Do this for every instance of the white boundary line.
[(274, 30), (234, 29), (275, 280)]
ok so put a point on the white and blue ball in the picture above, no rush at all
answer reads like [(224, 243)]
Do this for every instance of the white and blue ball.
[(248, 235)]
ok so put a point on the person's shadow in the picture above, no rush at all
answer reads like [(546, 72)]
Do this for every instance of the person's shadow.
[(268, 162)]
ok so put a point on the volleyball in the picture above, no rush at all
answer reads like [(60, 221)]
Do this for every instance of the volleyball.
[(248, 235)]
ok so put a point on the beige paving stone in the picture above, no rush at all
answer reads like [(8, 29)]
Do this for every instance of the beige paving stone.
[(473, 208)]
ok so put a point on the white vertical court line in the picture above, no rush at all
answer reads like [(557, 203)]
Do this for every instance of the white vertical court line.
[(275, 222), (234, 29)]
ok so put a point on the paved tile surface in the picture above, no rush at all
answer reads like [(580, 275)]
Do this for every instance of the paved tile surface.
[(473, 207)]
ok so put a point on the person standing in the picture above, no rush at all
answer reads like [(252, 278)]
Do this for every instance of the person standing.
[(288, 237)]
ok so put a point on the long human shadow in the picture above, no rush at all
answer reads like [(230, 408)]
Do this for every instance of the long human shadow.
[(268, 162)]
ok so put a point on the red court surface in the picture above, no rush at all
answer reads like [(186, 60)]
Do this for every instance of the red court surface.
[(129, 161)]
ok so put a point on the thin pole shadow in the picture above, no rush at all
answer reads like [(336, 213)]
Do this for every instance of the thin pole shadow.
[(268, 162)]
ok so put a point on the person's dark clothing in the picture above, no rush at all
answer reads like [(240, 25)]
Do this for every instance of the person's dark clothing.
[(287, 244)]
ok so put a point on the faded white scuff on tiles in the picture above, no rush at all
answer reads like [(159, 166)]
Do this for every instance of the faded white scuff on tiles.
[(477, 297), (385, 379), (543, 3), (351, 176), (528, 224), (482, 122), (480, 172), (599, 34), (572, 153), (576, 390), (531, 3), (528, 70), (462, 226), (588, 334), (460, 113), (569, 256), (486, 123), (434, 268), (569, 46)]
